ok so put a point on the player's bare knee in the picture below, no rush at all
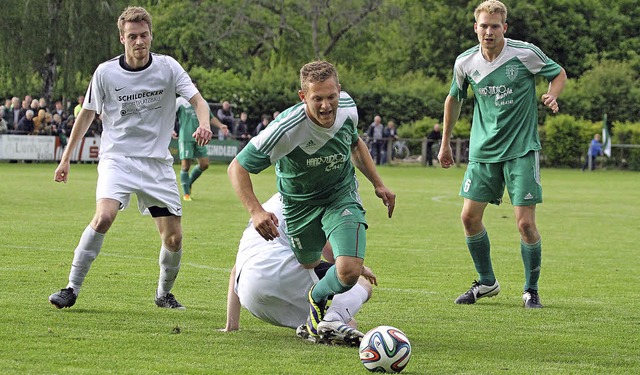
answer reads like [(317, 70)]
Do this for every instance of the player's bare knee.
[(349, 276), (173, 242), (528, 231), (102, 222)]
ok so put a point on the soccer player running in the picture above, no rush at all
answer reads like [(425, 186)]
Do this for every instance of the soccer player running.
[(136, 95), (269, 282), (312, 144), (504, 146), (188, 148)]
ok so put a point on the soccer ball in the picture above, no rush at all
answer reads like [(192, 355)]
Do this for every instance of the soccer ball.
[(385, 349)]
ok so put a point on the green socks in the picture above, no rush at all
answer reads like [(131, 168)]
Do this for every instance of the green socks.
[(480, 249), (329, 285), (532, 259)]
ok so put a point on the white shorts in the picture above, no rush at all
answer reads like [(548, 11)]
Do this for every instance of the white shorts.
[(274, 288), (152, 180)]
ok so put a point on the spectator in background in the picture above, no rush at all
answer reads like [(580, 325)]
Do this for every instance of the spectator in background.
[(42, 103), (35, 106), (4, 128), (39, 121), (225, 115), (263, 124), (59, 109), (376, 136), (47, 126), (25, 125), (16, 109), (78, 107), (595, 150), (433, 138), (7, 113), (242, 130), (390, 135), (95, 129), (275, 115)]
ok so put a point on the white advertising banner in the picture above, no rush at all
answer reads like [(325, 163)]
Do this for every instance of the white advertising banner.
[(42, 147), (27, 147)]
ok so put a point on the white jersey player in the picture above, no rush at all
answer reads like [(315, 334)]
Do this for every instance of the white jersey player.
[(135, 93), (268, 280)]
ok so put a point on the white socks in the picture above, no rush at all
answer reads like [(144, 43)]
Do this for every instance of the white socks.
[(345, 305), (169, 266), (83, 256)]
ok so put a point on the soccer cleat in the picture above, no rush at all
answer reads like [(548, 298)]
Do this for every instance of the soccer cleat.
[(63, 298), (531, 299), (478, 291), (169, 301), (337, 332), (316, 313), (187, 198)]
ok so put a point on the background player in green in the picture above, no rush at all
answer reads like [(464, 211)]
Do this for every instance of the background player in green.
[(187, 146), (504, 143), (315, 145)]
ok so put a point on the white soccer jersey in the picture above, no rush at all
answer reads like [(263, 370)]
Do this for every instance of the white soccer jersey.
[(270, 282), (138, 105)]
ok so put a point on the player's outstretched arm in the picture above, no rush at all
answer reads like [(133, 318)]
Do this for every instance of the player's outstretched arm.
[(85, 117), (362, 160), (233, 305)]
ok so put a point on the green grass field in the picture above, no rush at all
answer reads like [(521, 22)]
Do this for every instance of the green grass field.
[(589, 284)]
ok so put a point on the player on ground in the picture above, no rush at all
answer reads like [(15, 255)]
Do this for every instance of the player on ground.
[(136, 95), (188, 148), (269, 282), (504, 143), (315, 145)]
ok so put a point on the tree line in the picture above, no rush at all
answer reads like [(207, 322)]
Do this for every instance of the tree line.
[(395, 57)]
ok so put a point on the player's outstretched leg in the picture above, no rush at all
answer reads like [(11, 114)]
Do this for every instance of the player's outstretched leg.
[(478, 291)]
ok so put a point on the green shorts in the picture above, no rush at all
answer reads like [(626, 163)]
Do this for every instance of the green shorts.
[(342, 221), (191, 150), (485, 182)]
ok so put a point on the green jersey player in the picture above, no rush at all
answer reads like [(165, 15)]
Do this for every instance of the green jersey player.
[(315, 145), (188, 148), (504, 145)]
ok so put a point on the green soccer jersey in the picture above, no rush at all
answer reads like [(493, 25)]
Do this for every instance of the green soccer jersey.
[(505, 117), (313, 164), (188, 120)]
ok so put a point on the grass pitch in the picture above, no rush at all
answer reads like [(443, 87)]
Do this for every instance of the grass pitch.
[(589, 282)]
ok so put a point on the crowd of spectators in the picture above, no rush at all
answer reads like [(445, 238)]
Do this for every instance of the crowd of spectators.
[(31, 116)]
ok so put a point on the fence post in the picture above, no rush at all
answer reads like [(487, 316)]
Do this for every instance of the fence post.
[(423, 152), (458, 151)]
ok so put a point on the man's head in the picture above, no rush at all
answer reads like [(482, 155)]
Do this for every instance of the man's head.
[(29, 115), (377, 120), (491, 24), (391, 124), (320, 91), (436, 127), (134, 25), (597, 137), (226, 106)]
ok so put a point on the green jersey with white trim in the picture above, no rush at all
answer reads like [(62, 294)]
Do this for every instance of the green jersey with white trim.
[(505, 117), (313, 164)]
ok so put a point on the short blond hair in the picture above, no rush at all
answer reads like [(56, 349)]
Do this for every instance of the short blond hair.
[(133, 14), (317, 71), (491, 7)]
